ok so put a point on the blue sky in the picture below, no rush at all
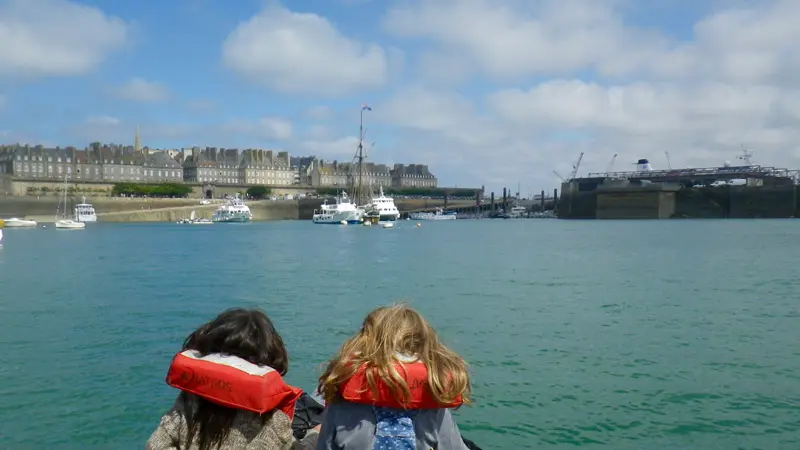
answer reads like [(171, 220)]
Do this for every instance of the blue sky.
[(485, 92)]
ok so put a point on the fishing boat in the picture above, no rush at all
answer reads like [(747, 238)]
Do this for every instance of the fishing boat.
[(234, 210), (343, 211), (440, 214), (19, 223), (62, 221)]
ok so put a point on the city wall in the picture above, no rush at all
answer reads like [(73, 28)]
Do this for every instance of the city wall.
[(734, 202)]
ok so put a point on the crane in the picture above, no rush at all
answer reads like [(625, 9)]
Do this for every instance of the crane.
[(610, 166), (575, 167)]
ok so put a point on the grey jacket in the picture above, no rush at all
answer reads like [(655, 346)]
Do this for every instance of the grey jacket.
[(351, 426)]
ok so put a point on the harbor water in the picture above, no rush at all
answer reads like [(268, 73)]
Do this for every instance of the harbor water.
[(598, 334)]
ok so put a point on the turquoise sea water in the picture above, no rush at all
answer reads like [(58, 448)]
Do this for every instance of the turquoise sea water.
[(619, 335)]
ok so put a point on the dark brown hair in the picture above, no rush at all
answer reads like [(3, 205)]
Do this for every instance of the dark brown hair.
[(246, 333)]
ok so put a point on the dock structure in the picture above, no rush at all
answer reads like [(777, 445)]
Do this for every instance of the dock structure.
[(750, 191)]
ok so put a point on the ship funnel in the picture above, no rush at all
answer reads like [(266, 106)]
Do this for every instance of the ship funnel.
[(643, 165)]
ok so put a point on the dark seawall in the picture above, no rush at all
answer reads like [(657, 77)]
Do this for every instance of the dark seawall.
[(723, 202)]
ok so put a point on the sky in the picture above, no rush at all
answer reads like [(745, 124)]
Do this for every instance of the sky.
[(486, 92)]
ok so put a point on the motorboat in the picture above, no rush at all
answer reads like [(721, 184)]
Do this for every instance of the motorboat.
[(383, 207), (84, 212), (440, 214), (234, 210), (194, 220), (19, 223), (519, 212), (343, 211)]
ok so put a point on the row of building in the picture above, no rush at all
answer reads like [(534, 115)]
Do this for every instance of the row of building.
[(210, 165)]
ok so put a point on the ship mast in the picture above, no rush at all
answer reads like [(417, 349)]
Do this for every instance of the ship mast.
[(358, 193)]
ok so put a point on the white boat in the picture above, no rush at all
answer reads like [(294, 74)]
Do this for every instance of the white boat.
[(193, 220), (84, 212), (518, 212), (343, 211), (62, 222), (383, 207), (233, 211), (1, 237), (438, 215), (19, 223)]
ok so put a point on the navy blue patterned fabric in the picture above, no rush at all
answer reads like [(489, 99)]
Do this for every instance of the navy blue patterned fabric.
[(394, 430)]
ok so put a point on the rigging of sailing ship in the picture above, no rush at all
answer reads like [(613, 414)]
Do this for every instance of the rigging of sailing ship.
[(361, 195)]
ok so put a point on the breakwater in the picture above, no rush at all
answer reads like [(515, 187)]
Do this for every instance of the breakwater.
[(664, 200)]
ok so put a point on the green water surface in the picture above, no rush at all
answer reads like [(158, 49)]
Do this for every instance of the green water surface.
[(619, 335)]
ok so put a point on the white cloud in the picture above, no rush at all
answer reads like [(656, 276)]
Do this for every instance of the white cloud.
[(141, 90), (234, 133), (55, 37), (518, 38), (302, 53), (615, 88)]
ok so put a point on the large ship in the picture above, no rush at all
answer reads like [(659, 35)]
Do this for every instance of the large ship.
[(234, 210)]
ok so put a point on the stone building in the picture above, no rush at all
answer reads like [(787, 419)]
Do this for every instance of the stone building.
[(96, 163), (232, 167), (412, 175), (333, 174), (160, 167)]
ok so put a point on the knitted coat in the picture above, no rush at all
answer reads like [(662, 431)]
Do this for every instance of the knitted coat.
[(247, 433)]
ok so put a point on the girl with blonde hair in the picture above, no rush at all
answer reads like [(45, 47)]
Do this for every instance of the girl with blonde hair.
[(391, 386)]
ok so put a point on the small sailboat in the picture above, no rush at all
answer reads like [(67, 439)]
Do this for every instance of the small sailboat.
[(62, 221), (1, 237)]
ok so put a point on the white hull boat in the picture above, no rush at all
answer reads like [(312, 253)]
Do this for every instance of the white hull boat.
[(84, 212), (438, 215), (193, 220), (63, 222), (343, 212), (233, 211), (383, 207), (69, 224), (19, 223)]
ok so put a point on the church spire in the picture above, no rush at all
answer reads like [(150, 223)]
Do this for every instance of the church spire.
[(137, 144)]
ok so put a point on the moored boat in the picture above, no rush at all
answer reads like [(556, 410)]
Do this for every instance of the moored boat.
[(234, 210), (84, 212), (19, 223), (440, 214), (343, 211)]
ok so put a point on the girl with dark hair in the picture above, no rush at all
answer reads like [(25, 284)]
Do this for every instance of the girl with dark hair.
[(195, 423)]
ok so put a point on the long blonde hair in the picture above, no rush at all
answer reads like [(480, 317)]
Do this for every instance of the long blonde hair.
[(387, 332)]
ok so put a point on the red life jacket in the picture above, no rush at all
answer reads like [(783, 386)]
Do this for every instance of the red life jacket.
[(415, 374), (233, 382)]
